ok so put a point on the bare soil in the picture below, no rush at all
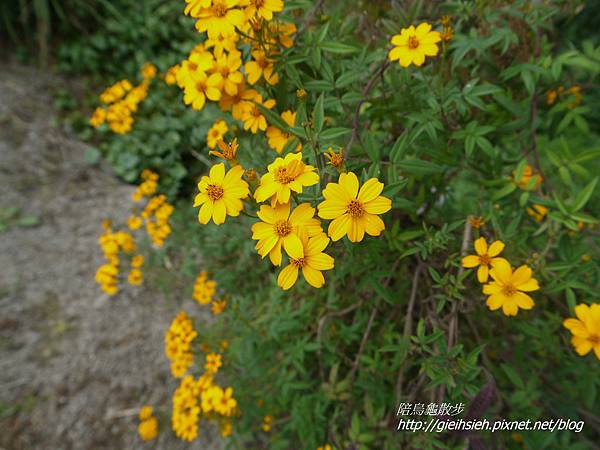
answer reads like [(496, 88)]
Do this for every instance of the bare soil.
[(75, 364)]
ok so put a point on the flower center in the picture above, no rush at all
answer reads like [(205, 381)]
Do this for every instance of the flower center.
[(214, 192), (355, 208), (509, 290), (484, 260), (413, 42), (594, 339), (259, 3), (256, 112), (299, 263), (283, 228), (201, 86), (192, 66), (282, 175), (220, 9)]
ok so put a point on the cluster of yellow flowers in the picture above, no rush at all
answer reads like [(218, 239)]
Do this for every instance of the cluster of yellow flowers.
[(178, 343), (148, 427), (121, 100), (266, 423), (156, 213), (508, 288), (112, 244), (353, 211), (201, 396), (205, 291)]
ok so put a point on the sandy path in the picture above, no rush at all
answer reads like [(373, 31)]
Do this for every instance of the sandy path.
[(74, 364)]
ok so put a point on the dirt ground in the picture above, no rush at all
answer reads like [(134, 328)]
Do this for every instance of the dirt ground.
[(75, 365)]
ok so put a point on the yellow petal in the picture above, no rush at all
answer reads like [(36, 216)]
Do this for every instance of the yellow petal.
[(482, 274), (373, 224), (293, 246), (495, 248), (501, 271), (481, 246), (356, 230), (379, 205), (470, 261), (205, 212), (521, 275), (576, 327), (494, 302), (320, 261), (370, 190), (217, 173), (219, 212), (287, 277), (349, 182), (524, 301), (338, 228), (313, 277)]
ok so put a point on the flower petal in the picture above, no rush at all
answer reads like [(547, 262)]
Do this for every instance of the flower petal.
[(370, 190), (481, 246), (495, 248), (470, 261), (287, 277)]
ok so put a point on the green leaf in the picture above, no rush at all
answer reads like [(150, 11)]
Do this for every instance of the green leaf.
[(506, 190), (319, 114), (584, 195), (333, 133), (513, 376), (419, 167), (338, 47)]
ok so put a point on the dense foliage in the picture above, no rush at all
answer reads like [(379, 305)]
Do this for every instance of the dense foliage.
[(487, 147)]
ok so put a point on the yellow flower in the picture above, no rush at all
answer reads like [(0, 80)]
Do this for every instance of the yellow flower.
[(204, 289), (507, 291), (178, 341), (221, 18), (476, 222), (221, 194), (228, 66), (239, 102), (225, 403), (148, 429), (335, 159), (216, 133), (220, 43), (551, 97), (284, 176), (228, 151), (148, 71), (585, 329), (252, 116), (412, 45), (226, 429), (98, 118), (134, 222), (212, 363), (277, 138), (528, 174), (137, 261), (171, 75), (261, 66), (264, 8), (280, 229), (485, 258), (199, 87), (135, 277), (354, 212), (312, 263), (218, 306), (538, 212), (145, 412), (325, 447), (266, 425), (199, 60)]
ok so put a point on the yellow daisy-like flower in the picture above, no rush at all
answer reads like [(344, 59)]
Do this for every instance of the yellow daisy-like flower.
[(216, 133), (221, 194), (228, 66), (225, 404), (279, 229), (354, 212), (148, 429), (312, 263), (212, 363), (263, 8), (221, 18), (238, 103), (538, 212), (252, 116), (98, 118), (507, 291), (261, 66), (284, 176), (412, 45), (228, 151), (199, 87), (485, 258), (585, 329), (218, 306), (277, 138), (135, 277)]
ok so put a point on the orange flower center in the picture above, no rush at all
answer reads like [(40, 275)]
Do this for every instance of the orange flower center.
[(355, 209), (214, 192), (220, 9), (484, 260), (594, 339), (263, 63), (299, 263), (201, 86), (192, 66), (259, 3), (256, 112), (413, 42), (509, 290), (282, 175), (283, 228)]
